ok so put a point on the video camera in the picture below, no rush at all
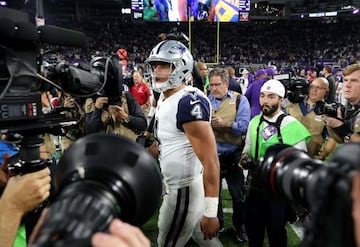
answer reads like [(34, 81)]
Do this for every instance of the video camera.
[(97, 178), (289, 174), (330, 109), (297, 88), (20, 57)]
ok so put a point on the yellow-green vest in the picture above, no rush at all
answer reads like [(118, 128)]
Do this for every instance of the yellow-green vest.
[(291, 133)]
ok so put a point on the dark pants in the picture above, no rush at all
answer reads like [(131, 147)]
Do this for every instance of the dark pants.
[(234, 177), (262, 213)]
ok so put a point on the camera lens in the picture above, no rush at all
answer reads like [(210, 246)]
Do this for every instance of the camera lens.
[(99, 178), (285, 172)]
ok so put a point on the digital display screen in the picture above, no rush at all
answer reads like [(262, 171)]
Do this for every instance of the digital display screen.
[(226, 10), (193, 10), (17, 110)]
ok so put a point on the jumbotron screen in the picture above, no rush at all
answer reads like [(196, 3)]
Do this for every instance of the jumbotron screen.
[(191, 10)]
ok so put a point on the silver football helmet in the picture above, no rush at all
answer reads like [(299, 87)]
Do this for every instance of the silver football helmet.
[(180, 59)]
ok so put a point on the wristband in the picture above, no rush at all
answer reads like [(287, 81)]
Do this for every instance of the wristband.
[(211, 207)]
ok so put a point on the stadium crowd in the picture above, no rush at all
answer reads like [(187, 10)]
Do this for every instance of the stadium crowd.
[(260, 42)]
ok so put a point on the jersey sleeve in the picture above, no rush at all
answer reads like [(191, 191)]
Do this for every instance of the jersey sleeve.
[(192, 107)]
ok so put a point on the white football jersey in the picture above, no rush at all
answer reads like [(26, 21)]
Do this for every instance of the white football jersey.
[(178, 161)]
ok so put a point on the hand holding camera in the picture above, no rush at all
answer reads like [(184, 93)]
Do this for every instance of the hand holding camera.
[(26, 192), (247, 162), (118, 113), (100, 102)]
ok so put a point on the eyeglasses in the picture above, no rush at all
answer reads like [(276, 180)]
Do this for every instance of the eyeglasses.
[(313, 87)]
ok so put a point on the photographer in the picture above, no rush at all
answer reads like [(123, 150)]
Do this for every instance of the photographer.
[(266, 129), (124, 116), (304, 112), (346, 126)]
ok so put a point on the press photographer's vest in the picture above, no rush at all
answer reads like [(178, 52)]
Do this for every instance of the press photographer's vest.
[(291, 133), (313, 126), (227, 111), (110, 125)]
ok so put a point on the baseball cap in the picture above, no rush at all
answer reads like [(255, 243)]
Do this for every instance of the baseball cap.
[(273, 86), (260, 72), (270, 71)]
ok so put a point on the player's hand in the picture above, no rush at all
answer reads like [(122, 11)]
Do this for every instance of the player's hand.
[(24, 193), (99, 103), (121, 235), (118, 112), (209, 227)]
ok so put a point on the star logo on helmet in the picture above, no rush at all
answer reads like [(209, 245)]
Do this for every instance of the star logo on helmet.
[(178, 49)]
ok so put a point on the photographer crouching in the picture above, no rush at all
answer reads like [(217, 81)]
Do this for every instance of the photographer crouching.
[(345, 124), (123, 116)]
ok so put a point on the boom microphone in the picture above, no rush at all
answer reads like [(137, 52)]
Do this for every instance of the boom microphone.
[(25, 31), (61, 36)]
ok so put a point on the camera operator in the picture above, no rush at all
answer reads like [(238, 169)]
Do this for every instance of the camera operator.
[(268, 128), (346, 126), (304, 112), (22, 194), (124, 117)]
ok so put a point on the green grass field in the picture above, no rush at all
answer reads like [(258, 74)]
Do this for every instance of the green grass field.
[(227, 237)]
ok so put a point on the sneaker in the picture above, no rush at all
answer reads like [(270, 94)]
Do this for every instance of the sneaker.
[(241, 234), (242, 237)]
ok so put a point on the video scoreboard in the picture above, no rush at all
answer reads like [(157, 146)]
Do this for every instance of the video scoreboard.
[(190, 10)]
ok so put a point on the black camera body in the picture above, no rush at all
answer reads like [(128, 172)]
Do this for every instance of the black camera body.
[(249, 163), (330, 109), (296, 88)]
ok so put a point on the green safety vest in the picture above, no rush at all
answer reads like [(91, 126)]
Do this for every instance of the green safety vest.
[(291, 133)]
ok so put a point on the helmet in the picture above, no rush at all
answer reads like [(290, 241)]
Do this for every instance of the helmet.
[(178, 56)]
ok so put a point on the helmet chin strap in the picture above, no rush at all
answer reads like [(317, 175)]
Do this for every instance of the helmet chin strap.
[(160, 87)]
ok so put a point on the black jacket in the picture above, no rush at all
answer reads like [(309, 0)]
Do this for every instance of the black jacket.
[(93, 123)]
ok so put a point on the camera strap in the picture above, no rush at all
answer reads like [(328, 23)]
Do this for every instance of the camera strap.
[(277, 124)]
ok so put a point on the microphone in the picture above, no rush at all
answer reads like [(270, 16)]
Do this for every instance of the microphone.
[(26, 31), (61, 36)]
